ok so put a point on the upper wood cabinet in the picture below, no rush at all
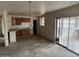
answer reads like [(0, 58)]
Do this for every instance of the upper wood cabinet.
[(13, 21), (18, 21)]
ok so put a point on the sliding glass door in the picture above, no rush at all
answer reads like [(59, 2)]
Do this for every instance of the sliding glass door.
[(68, 32)]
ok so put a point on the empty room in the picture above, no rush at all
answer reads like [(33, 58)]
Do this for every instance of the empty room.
[(39, 28)]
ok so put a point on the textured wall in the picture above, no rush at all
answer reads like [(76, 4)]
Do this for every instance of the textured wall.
[(49, 30)]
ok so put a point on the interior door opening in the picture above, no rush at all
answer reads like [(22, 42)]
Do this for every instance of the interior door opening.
[(34, 27)]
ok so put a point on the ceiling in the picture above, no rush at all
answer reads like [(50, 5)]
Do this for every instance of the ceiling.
[(38, 7)]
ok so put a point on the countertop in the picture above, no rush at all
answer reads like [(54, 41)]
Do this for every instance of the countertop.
[(15, 29)]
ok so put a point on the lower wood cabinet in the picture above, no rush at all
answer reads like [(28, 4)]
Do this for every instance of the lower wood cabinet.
[(22, 33)]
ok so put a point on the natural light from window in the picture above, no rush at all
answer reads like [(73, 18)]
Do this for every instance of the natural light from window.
[(42, 21)]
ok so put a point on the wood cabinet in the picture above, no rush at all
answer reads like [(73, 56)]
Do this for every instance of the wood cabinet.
[(19, 33), (18, 21), (13, 21), (23, 33)]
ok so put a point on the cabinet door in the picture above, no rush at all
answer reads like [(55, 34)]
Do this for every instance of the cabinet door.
[(25, 19), (19, 33), (13, 21), (18, 21), (25, 32)]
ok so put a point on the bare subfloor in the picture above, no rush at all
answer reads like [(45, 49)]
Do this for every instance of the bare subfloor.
[(34, 46)]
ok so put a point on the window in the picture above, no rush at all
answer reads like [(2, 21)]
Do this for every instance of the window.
[(42, 21)]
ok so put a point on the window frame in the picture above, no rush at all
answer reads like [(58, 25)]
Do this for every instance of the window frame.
[(42, 21)]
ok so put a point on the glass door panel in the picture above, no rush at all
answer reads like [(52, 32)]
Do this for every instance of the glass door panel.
[(64, 37), (72, 25), (60, 30), (76, 36)]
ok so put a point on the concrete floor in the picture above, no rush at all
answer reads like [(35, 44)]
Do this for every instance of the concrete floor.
[(34, 46)]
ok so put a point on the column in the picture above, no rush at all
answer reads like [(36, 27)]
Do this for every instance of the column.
[(5, 22)]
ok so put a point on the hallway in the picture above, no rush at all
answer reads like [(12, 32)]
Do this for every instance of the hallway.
[(34, 46)]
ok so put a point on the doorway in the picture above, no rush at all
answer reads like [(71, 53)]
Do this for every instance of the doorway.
[(34, 27)]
